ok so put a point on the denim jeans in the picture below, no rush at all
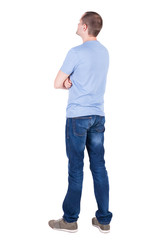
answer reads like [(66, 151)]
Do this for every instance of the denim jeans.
[(80, 132)]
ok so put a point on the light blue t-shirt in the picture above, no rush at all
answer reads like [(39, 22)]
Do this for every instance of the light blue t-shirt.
[(87, 64)]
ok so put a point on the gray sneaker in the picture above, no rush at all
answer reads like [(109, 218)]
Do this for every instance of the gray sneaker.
[(102, 228), (62, 225)]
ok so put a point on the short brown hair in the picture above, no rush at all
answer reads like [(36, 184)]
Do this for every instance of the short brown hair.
[(93, 21)]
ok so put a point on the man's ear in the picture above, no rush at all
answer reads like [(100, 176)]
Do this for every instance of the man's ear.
[(84, 26)]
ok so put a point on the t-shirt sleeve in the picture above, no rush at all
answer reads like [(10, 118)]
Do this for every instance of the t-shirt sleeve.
[(69, 63)]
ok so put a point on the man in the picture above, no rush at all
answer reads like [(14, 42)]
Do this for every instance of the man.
[(84, 73)]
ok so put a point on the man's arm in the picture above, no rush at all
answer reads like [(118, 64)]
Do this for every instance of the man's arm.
[(60, 79)]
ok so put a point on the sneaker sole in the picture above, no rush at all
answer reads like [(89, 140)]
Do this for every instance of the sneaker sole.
[(66, 230), (103, 231)]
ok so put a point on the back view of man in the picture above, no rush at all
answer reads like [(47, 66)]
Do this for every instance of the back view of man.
[(84, 73)]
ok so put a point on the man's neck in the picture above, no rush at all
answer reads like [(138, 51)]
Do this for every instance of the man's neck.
[(89, 39)]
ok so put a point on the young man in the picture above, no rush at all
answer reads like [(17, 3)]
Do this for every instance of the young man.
[(84, 73)]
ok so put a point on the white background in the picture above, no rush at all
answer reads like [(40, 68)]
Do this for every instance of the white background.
[(35, 38)]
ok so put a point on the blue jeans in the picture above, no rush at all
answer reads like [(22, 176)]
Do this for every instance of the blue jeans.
[(80, 132)]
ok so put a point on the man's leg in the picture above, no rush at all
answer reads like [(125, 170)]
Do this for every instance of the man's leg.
[(95, 148), (76, 133)]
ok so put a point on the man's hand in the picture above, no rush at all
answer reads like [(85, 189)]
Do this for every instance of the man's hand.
[(67, 83)]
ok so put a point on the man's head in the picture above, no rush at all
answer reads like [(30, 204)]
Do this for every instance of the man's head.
[(90, 25)]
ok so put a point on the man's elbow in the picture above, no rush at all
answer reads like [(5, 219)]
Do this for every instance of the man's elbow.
[(55, 86)]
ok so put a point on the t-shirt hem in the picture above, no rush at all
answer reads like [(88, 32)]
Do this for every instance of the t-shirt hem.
[(85, 114)]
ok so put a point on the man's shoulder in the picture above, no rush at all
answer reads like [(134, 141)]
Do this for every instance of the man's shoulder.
[(80, 49), (76, 48)]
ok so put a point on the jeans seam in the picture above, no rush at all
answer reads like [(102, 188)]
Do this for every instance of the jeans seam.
[(67, 128), (84, 117)]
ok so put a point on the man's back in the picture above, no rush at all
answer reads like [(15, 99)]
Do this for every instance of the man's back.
[(87, 65)]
